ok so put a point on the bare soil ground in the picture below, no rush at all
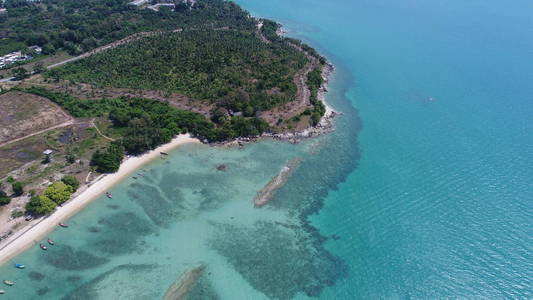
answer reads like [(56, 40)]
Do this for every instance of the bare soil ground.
[(286, 112), (295, 108), (30, 150), (23, 161), (23, 114), (89, 92)]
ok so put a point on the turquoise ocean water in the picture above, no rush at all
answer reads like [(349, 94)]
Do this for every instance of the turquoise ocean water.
[(424, 191)]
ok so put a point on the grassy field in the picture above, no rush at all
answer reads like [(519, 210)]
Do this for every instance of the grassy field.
[(25, 156), (22, 114)]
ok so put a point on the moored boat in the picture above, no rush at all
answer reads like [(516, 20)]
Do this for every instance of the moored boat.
[(2, 292), (8, 282), (20, 266), (108, 194), (51, 242), (43, 247), (63, 225)]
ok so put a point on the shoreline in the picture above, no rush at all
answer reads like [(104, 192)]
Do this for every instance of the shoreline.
[(326, 124), (26, 238)]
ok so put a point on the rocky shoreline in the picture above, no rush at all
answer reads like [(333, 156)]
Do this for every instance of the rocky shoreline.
[(326, 124), (267, 192)]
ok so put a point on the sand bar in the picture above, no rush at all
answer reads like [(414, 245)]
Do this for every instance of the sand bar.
[(18, 243)]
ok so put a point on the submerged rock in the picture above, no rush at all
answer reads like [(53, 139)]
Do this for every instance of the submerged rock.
[(185, 283), (266, 193)]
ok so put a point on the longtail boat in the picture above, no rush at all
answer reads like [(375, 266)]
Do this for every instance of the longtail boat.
[(51, 242), (8, 282), (43, 247), (63, 225)]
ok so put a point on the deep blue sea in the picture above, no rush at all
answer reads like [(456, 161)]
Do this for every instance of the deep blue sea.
[(441, 202), (424, 191)]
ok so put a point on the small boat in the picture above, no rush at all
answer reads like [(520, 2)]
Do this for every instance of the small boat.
[(134, 177), (8, 282), (63, 225), (20, 266), (108, 194), (2, 292), (163, 153), (51, 242), (43, 247)]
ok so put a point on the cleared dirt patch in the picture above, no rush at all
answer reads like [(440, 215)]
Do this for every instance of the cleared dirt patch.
[(75, 139), (23, 114)]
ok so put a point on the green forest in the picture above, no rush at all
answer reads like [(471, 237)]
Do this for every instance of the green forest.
[(81, 25), (145, 124), (234, 69)]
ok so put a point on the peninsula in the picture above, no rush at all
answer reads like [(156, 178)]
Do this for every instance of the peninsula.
[(132, 79)]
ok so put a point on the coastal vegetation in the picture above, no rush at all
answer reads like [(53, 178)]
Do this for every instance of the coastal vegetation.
[(40, 205), (58, 192), (4, 198), (108, 161), (314, 82), (71, 181), (18, 188), (207, 69), (55, 194), (80, 26), (146, 123), (233, 69)]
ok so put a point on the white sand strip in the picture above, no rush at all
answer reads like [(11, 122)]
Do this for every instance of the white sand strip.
[(19, 243)]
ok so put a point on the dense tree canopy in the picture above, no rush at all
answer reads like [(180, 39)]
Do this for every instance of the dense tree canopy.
[(314, 81), (4, 198), (148, 123), (81, 25), (71, 181), (234, 69), (40, 205), (108, 161), (18, 188), (58, 192)]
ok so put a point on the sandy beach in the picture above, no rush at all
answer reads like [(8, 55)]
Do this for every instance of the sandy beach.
[(38, 230)]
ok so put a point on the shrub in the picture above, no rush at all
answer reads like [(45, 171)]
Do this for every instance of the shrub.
[(17, 214), (4, 199), (18, 188), (108, 161), (40, 205), (71, 181), (58, 192)]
